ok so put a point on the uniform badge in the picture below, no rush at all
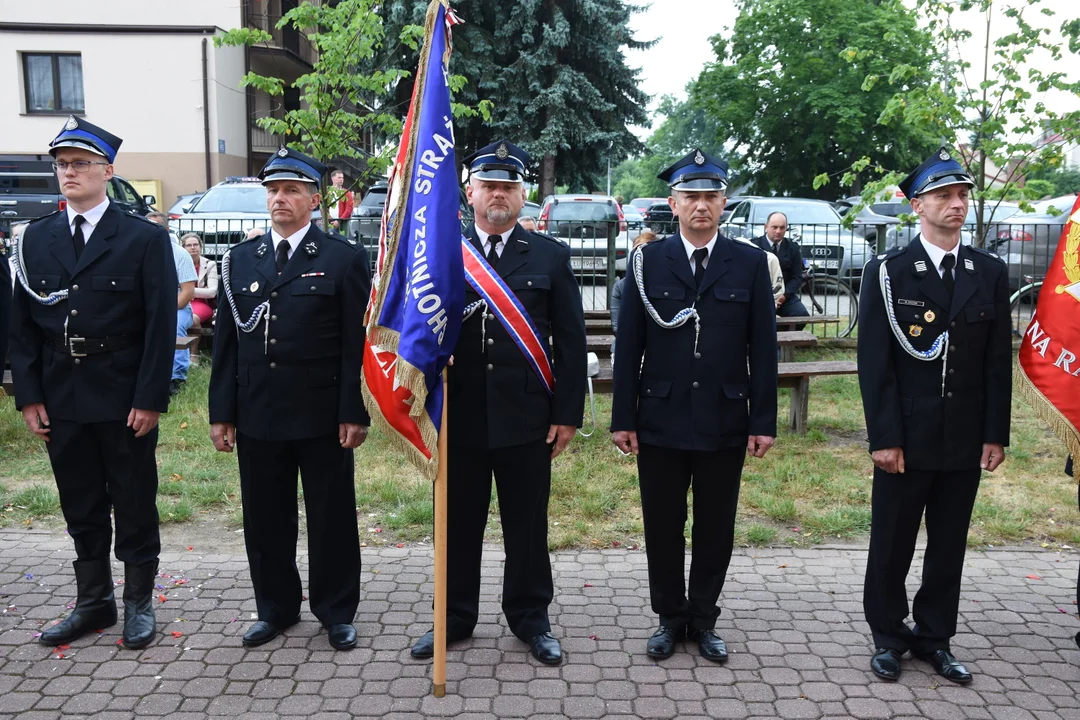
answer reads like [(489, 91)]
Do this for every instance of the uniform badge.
[(943, 155), (254, 286), (912, 303), (502, 152), (882, 256), (311, 249), (283, 152), (920, 267), (914, 330), (699, 159), (930, 316), (261, 251), (968, 265), (71, 123)]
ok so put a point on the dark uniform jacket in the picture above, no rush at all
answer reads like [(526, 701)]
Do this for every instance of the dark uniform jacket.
[(791, 262), (711, 399), (5, 304), (123, 286), (902, 396), (302, 378), (496, 399)]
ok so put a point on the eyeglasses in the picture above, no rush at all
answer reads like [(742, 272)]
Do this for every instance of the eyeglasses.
[(80, 166)]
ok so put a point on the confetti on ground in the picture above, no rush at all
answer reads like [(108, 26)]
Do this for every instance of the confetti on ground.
[(593, 637), (177, 633), (161, 598), (588, 584), (1033, 577), (190, 547)]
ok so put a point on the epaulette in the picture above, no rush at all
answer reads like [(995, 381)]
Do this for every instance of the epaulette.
[(546, 237), (341, 238), (132, 213), (891, 253), (987, 253), (37, 219)]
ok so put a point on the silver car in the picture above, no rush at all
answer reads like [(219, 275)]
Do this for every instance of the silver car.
[(224, 215), (826, 245), (902, 235)]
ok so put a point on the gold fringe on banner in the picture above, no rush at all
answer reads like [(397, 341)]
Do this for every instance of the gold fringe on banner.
[(1049, 414)]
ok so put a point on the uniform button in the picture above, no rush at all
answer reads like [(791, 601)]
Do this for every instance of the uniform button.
[(273, 341), (948, 394), (114, 283), (952, 324), (952, 370), (78, 361), (918, 316), (312, 288), (648, 391), (74, 313), (698, 297), (273, 317), (490, 341), (529, 283), (952, 348), (982, 314), (665, 292), (491, 367), (273, 366), (695, 384), (42, 282), (697, 356), (732, 296), (490, 316), (273, 294), (75, 288)]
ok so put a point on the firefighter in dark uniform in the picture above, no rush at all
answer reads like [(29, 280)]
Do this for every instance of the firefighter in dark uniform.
[(501, 417), (285, 391), (699, 308), (92, 339), (935, 370)]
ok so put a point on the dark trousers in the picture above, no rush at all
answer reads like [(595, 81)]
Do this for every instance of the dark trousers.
[(896, 511), (103, 467), (665, 476), (523, 481), (793, 307), (268, 472)]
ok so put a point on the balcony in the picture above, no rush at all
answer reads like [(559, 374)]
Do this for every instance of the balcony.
[(263, 141), (287, 43)]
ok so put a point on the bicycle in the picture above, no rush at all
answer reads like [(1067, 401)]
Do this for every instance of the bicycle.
[(831, 296), (1022, 304)]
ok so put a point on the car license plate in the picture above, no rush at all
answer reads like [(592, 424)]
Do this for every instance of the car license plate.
[(827, 264), (588, 263)]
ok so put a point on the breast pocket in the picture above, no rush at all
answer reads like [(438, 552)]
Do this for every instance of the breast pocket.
[(43, 284), (667, 299), (312, 300), (532, 291), (118, 292), (732, 306), (979, 313), (249, 287)]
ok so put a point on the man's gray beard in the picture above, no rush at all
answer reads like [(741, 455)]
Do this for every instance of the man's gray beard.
[(498, 217)]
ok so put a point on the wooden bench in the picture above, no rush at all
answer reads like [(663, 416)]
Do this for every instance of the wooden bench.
[(184, 342), (796, 375), (807, 320), (9, 388), (788, 340)]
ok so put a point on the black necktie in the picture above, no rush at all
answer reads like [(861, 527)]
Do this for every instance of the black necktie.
[(699, 265), (493, 251), (947, 264), (77, 237), (282, 256)]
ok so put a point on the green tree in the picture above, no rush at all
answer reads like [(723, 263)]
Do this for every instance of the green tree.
[(1064, 182), (555, 73), (998, 120), (788, 93)]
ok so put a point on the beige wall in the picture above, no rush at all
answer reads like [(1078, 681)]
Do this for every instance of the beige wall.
[(179, 173), (213, 13)]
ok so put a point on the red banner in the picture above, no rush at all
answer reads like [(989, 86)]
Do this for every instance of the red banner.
[(1050, 350)]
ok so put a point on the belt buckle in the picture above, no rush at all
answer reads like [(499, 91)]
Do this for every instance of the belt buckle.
[(81, 351)]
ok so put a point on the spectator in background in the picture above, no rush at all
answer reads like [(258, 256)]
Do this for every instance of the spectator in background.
[(344, 198), (206, 288), (185, 291), (528, 222), (791, 263), (616, 289)]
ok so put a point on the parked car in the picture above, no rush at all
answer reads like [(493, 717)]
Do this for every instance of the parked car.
[(1027, 241), (584, 223), (644, 203), (634, 219), (183, 204), (826, 245), (869, 224), (367, 214), (902, 234), (530, 209), (660, 219), (731, 204)]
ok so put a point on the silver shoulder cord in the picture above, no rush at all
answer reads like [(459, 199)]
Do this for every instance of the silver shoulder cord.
[(471, 309), (20, 273), (940, 348), (261, 311), (637, 263)]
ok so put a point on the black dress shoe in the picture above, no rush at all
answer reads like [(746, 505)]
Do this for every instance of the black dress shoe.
[(886, 663), (1077, 639), (546, 649), (662, 643), (263, 632), (947, 666), (424, 647), (342, 636), (711, 645)]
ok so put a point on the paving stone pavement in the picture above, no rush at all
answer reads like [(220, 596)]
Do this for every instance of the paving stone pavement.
[(792, 620)]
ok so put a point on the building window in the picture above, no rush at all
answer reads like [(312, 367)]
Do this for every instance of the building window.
[(54, 83)]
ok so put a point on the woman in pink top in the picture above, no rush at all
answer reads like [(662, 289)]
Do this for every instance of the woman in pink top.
[(206, 287)]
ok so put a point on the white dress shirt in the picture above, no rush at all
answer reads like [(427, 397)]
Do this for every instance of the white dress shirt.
[(937, 255), (690, 251), (294, 240), (487, 245), (91, 218)]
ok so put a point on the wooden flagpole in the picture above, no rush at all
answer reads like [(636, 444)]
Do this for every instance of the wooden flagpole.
[(439, 675)]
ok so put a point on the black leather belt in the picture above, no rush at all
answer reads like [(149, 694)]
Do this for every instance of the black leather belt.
[(81, 347)]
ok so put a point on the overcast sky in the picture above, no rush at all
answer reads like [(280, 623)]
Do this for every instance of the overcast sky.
[(685, 26)]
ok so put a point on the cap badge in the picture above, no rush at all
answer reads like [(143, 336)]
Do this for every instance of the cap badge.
[(699, 159), (255, 286), (311, 249), (283, 152), (915, 330), (929, 316), (943, 155), (261, 251), (968, 265), (71, 123), (502, 153)]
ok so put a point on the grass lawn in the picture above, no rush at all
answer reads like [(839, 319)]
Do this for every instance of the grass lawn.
[(809, 489)]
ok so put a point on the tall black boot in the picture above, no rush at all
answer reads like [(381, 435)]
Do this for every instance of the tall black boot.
[(138, 604), (95, 608)]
